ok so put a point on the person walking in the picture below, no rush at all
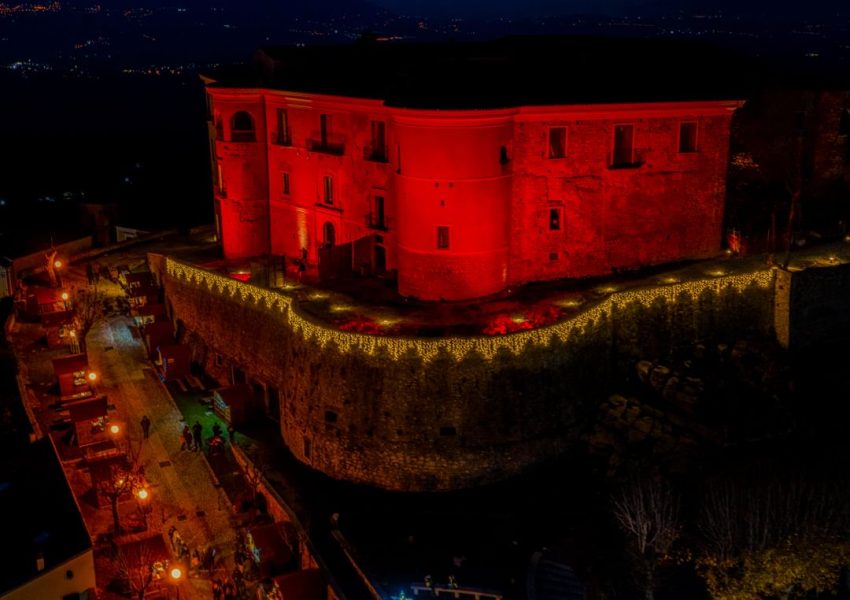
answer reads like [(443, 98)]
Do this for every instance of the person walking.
[(146, 426), (198, 433), (187, 438)]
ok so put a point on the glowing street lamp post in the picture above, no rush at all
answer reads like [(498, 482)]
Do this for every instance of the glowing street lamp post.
[(176, 574)]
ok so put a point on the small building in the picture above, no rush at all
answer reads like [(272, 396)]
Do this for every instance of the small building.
[(41, 300), (234, 403), (73, 374), (59, 328), (47, 550), (273, 548), (174, 361), (89, 418)]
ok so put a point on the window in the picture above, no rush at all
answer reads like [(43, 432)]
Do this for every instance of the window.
[(283, 128), (328, 187), (442, 237), (687, 137), (553, 256), (557, 142), (324, 130), (379, 142), (376, 219), (285, 184), (448, 431), (328, 235), (330, 416), (554, 219), (242, 127), (623, 149), (503, 155)]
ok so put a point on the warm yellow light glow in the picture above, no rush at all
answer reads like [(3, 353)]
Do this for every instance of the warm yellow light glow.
[(114, 429), (518, 318), (143, 494), (717, 272), (569, 302), (606, 289), (92, 376), (428, 348), (669, 279), (64, 295), (73, 333), (58, 264), (176, 573), (318, 296)]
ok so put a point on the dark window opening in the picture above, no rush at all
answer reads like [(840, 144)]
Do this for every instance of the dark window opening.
[(623, 145), (328, 235), (503, 155), (448, 431), (376, 217), (219, 361), (285, 183), (378, 149), (282, 136), (328, 189), (330, 416), (554, 219), (687, 137), (442, 237), (557, 142), (553, 256), (242, 127)]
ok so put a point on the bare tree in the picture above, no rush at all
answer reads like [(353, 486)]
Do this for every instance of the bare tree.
[(647, 511), (120, 477), (135, 564), (89, 311)]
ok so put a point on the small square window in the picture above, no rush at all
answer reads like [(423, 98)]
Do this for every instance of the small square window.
[(687, 137), (557, 142), (442, 238), (285, 183), (553, 256), (330, 416), (554, 219), (448, 431)]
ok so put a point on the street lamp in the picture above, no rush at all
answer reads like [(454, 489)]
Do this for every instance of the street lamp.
[(176, 574), (142, 494), (114, 429)]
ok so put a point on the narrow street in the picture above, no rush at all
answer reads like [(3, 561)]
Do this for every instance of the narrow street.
[(184, 492)]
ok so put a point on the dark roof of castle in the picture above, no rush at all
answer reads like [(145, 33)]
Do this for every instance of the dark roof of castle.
[(516, 71)]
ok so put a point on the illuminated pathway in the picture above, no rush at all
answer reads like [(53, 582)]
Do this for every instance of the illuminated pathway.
[(180, 481)]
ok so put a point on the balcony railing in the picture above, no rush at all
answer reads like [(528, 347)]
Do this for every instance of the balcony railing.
[(336, 148)]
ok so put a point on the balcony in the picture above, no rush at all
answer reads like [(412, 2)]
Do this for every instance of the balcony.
[(332, 147), (377, 222)]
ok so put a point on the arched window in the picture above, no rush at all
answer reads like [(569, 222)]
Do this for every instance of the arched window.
[(328, 234), (242, 127)]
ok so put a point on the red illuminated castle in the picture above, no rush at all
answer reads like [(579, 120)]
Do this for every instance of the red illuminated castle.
[(466, 169)]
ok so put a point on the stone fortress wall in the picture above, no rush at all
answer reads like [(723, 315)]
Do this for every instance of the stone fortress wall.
[(423, 414)]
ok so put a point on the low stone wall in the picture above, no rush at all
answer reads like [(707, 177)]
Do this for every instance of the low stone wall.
[(444, 413)]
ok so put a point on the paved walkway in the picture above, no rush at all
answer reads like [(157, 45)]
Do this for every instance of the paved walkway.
[(184, 491)]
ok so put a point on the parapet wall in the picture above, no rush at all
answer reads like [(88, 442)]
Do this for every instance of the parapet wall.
[(441, 413)]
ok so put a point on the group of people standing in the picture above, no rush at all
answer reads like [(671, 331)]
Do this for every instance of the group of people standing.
[(193, 438)]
